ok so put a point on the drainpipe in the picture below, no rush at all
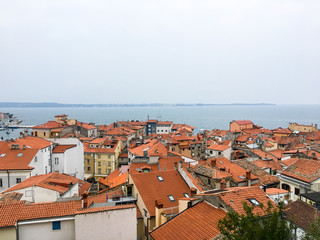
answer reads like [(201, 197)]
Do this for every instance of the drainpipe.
[(17, 230), (8, 178)]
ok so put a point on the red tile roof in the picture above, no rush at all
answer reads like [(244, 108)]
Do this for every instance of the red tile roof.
[(268, 164), (243, 122), (15, 159), (11, 213), (115, 179), (197, 222), (217, 147), (275, 191), (234, 198), (151, 189), (48, 125), (53, 181), (31, 142), (102, 197), (62, 148), (306, 170)]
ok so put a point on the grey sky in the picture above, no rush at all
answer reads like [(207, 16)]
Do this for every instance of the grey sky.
[(131, 51)]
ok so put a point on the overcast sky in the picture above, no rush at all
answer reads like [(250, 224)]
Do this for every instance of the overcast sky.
[(132, 51)]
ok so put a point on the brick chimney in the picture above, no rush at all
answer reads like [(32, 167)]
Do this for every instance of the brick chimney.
[(248, 175), (193, 191), (168, 146), (85, 200), (213, 163)]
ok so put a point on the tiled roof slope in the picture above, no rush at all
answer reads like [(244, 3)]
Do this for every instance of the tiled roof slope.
[(62, 148), (53, 181), (264, 177), (198, 222), (11, 213), (15, 159), (306, 170), (235, 197), (151, 189), (301, 213), (31, 142)]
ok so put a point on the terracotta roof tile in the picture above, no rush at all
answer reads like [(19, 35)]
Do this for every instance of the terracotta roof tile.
[(306, 170), (197, 222), (48, 125), (152, 189), (62, 148)]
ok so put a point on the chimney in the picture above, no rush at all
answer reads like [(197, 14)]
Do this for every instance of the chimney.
[(24, 147), (248, 177), (85, 200), (168, 146), (213, 162), (158, 210), (193, 191)]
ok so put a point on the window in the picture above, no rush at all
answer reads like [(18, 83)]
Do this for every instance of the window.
[(56, 161), (99, 163), (88, 168), (109, 156), (145, 213), (88, 161), (296, 191), (109, 164), (186, 195), (18, 180), (35, 159), (56, 225), (171, 198), (109, 170), (99, 155), (1, 182), (160, 178), (99, 170), (44, 133), (254, 201)]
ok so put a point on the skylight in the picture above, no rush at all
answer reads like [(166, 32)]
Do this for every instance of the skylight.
[(20, 155), (242, 177), (171, 198), (254, 201), (186, 195), (220, 162), (3, 155), (160, 178)]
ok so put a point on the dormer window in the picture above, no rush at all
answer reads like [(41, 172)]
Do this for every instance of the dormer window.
[(254, 201), (160, 178), (171, 198)]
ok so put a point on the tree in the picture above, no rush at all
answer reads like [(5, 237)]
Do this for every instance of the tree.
[(313, 232), (251, 226)]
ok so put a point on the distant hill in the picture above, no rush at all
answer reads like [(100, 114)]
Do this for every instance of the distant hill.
[(59, 105)]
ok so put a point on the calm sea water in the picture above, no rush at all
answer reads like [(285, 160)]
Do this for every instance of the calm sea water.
[(270, 116)]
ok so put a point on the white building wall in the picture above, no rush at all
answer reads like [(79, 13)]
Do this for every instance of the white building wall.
[(43, 230), (13, 175), (114, 224), (72, 161), (164, 129), (41, 162)]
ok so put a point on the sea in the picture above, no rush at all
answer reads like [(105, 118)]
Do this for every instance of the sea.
[(201, 117)]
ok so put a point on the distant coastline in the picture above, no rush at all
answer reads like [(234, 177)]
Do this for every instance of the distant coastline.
[(60, 105)]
